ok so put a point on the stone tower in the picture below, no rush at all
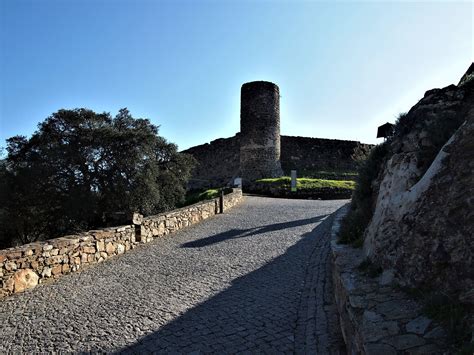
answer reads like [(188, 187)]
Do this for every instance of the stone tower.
[(260, 131)]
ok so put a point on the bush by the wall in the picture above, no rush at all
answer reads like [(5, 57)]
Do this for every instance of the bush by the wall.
[(363, 198)]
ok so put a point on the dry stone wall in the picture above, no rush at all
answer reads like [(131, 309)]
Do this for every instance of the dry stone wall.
[(375, 316), (24, 267)]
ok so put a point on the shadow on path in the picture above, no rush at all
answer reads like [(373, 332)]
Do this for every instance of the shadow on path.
[(257, 313), (241, 233)]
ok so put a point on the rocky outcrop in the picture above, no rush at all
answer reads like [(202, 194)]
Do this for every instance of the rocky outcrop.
[(423, 222)]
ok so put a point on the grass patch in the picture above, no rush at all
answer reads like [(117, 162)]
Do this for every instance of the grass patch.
[(197, 196), (328, 175), (309, 183)]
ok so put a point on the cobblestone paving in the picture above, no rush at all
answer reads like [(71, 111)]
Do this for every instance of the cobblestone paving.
[(254, 280)]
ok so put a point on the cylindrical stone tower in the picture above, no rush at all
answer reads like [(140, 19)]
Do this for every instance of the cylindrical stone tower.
[(260, 131)]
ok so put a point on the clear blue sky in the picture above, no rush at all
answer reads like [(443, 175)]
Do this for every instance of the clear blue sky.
[(342, 67)]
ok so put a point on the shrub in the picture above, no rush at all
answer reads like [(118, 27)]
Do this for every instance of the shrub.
[(80, 167), (363, 198)]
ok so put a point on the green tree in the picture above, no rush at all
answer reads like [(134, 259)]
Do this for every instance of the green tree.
[(80, 167)]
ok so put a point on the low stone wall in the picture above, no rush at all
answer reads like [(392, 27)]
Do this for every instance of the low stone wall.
[(375, 316), (23, 267)]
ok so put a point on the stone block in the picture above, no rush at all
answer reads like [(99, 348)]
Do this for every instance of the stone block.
[(418, 325), (9, 284), (405, 341), (88, 250), (103, 234), (100, 245), (110, 248), (11, 266), (120, 249), (34, 265), (46, 272), (25, 279), (14, 255), (56, 270)]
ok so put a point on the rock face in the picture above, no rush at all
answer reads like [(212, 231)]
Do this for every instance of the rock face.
[(260, 130), (423, 223)]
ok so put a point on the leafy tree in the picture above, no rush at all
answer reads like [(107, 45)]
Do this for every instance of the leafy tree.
[(79, 168)]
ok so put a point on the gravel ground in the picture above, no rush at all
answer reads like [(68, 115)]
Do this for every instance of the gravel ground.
[(253, 280)]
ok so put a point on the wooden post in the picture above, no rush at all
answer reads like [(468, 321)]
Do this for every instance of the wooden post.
[(221, 201)]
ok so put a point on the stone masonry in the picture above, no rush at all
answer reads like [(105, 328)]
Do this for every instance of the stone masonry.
[(260, 130), (23, 267), (376, 316)]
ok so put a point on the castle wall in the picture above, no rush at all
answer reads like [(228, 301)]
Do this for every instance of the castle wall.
[(260, 130), (311, 155), (218, 161)]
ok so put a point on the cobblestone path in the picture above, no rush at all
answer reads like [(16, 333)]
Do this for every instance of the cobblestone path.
[(254, 280)]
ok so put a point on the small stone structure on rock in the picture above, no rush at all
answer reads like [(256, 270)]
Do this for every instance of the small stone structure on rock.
[(260, 131)]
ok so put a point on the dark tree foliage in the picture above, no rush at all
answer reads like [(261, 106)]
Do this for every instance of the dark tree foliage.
[(80, 167)]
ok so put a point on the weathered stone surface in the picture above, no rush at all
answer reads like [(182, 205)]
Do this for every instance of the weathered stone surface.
[(56, 270), (405, 341), (25, 279), (89, 250), (375, 319), (424, 207), (11, 266), (110, 248), (379, 349), (46, 272), (418, 325)]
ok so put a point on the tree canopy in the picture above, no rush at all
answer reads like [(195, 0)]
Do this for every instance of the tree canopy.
[(80, 167)]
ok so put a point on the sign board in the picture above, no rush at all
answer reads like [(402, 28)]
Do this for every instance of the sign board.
[(293, 180), (238, 182)]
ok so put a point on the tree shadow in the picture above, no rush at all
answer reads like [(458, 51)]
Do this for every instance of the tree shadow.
[(241, 233), (257, 313)]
